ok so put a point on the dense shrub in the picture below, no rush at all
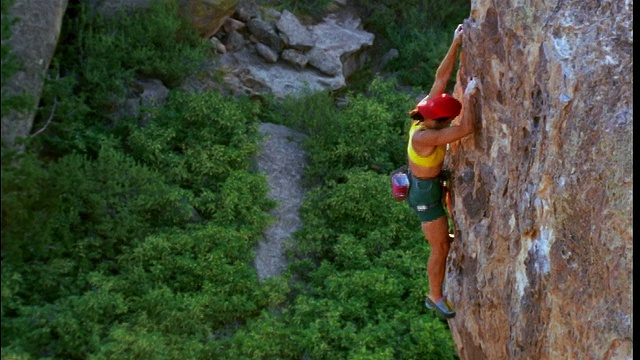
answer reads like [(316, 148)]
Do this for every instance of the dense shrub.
[(420, 30), (93, 75), (197, 138), (360, 270)]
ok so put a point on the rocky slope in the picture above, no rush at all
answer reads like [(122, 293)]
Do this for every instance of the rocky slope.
[(542, 267)]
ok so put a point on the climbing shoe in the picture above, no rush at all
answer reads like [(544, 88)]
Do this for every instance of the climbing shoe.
[(443, 307)]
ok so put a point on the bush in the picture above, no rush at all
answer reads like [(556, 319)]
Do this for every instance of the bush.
[(420, 30), (197, 139), (360, 295), (368, 134), (93, 74)]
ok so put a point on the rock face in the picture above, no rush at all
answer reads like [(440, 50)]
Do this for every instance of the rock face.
[(34, 39), (541, 267)]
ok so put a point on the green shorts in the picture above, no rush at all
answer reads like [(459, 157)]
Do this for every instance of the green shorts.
[(425, 198)]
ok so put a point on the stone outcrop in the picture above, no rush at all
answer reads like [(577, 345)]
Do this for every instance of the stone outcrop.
[(34, 38), (541, 267), (207, 16), (276, 54)]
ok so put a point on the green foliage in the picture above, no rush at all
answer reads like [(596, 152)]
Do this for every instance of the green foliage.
[(360, 266), (309, 112), (420, 30), (171, 293), (93, 74), (367, 134), (77, 215), (154, 42), (197, 138)]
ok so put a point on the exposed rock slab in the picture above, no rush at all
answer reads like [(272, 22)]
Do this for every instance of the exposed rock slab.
[(541, 267), (342, 38), (294, 34), (248, 74), (336, 48), (282, 160)]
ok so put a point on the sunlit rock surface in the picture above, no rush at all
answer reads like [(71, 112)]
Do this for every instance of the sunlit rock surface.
[(541, 267)]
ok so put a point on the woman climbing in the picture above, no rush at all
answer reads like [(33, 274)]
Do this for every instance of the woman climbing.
[(430, 132)]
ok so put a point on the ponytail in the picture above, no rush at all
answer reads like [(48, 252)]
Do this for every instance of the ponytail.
[(415, 115)]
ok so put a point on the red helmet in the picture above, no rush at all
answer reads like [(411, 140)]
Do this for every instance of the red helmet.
[(441, 106)]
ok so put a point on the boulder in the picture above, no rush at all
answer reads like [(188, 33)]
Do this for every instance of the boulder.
[(207, 16), (295, 35), (248, 74), (541, 266), (325, 62), (265, 33), (343, 38), (340, 49), (295, 58), (268, 54)]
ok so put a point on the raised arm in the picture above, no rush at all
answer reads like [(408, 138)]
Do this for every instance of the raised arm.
[(443, 74)]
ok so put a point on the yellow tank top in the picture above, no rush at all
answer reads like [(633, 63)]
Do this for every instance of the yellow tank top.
[(434, 159)]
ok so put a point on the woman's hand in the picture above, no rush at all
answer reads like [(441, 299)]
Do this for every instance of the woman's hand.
[(457, 34), (472, 87)]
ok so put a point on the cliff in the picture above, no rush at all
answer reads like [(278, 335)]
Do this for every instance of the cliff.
[(541, 267)]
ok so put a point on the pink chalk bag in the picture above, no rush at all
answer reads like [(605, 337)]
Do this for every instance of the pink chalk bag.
[(400, 183)]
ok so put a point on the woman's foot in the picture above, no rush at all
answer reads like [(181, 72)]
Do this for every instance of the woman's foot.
[(443, 307)]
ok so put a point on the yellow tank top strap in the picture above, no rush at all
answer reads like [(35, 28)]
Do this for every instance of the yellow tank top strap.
[(434, 159)]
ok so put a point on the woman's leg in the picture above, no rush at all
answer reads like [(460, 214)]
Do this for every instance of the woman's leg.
[(437, 234)]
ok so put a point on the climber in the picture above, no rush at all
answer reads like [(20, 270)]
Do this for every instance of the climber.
[(431, 130)]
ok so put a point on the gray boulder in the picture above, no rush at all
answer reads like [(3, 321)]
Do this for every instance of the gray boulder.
[(343, 39), (265, 33), (327, 63), (340, 49), (294, 34)]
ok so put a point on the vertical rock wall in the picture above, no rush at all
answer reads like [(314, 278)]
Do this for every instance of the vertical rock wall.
[(541, 267)]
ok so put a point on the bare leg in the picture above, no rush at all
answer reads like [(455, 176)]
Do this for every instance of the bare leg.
[(437, 234)]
